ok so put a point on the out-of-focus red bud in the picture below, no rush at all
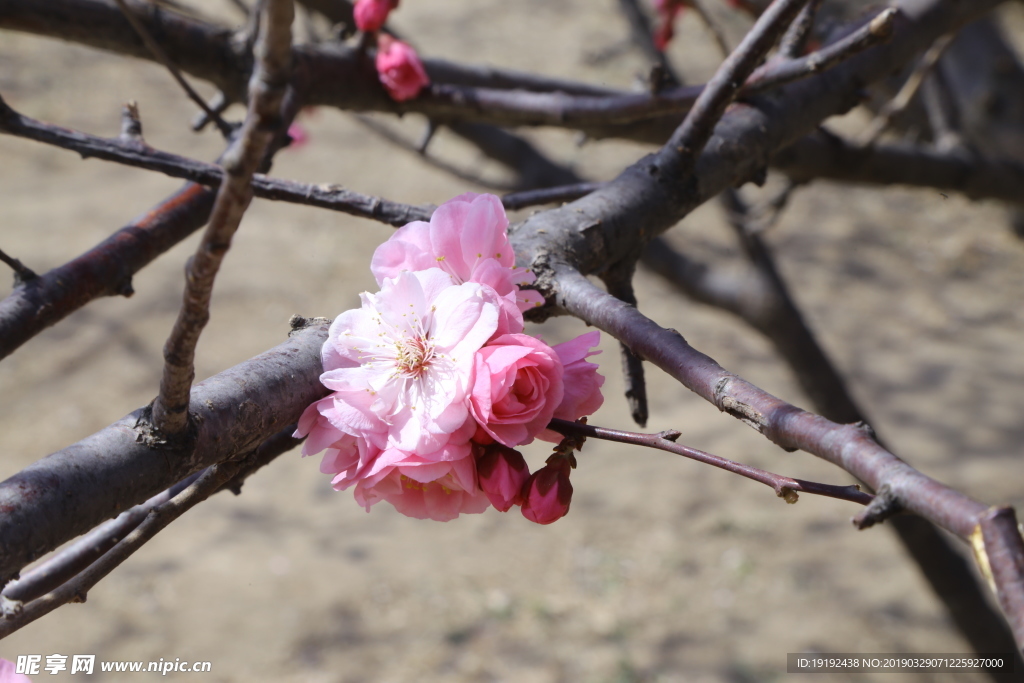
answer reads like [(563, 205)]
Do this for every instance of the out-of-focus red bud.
[(547, 493), (399, 68), (667, 10), (370, 15), (502, 473)]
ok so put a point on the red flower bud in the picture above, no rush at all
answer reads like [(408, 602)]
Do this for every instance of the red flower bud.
[(400, 69), (547, 493), (370, 15), (502, 473)]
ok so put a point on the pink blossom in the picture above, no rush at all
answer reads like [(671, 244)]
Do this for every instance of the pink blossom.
[(370, 15), (582, 385), (517, 388), (403, 363), (466, 237), (548, 493), (432, 377), (424, 490), (502, 473), (399, 69), (8, 673)]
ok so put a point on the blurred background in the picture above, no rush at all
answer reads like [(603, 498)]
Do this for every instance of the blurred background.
[(665, 570)]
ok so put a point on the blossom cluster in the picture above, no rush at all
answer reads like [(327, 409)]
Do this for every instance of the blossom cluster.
[(435, 384), (398, 66)]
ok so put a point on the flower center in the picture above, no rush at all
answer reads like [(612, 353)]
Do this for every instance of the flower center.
[(412, 355)]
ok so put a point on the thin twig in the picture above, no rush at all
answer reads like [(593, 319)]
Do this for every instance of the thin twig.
[(161, 56), (76, 589), (643, 37), (131, 124), (532, 168), (824, 155), (420, 150), (125, 464), (73, 559), (691, 136), (619, 281), (758, 300), (784, 487), (22, 273), (273, 56), (899, 103), (795, 39), (548, 195), (136, 153), (218, 104), (772, 75), (716, 31), (942, 113)]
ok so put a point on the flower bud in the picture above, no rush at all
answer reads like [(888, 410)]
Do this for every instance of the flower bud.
[(399, 69), (370, 15), (502, 473), (547, 493)]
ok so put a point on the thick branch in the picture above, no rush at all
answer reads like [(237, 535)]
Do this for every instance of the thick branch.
[(656, 192), (71, 491), (98, 552), (832, 158), (75, 589), (104, 270), (689, 139), (847, 446), (343, 77), (759, 300)]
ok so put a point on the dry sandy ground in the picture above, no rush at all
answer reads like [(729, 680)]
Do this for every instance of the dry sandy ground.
[(665, 570)]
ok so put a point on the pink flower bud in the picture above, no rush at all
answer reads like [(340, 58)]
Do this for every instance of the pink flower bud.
[(502, 472), (299, 136), (400, 69), (370, 15), (547, 493)]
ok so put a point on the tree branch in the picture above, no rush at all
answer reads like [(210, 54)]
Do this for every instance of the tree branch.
[(104, 270), (780, 72), (273, 54), (832, 158), (22, 273), (25, 600), (72, 491), (784, 487), (162, 57), (847, 446), (764, 302), (342, 77), (134, 152), (157, 519), (795, 38), (548, 195), (642, 35), (693, 134)]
